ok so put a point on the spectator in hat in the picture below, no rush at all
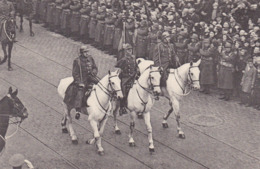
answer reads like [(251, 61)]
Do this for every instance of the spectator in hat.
[(247, 83), (154, 37), (181, 46), (194, 47), (225, 71), (140, 40)]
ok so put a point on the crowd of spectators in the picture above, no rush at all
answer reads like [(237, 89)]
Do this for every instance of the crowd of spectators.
[(223, 33)]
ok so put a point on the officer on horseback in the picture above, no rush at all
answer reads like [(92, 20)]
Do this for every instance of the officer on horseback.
[(84, 73), (165, 57), (128, 74)]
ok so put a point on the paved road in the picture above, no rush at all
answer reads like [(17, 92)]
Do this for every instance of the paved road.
[(219, 134)]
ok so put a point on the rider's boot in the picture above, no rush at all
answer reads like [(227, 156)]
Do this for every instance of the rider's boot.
[(78, 111), (122, 109)]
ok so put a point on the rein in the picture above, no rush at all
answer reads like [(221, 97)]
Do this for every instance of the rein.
[(190, 81), (9, 38), (148, 90)]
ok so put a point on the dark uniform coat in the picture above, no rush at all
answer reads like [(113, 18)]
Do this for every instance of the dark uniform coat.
[(226, 70), (92, 24), (248, 79), (153, 40), (84, 20), (84, 72), (141, 42), (164, 56), (207, 71), (75, 16), (128, 67), (109, 30)]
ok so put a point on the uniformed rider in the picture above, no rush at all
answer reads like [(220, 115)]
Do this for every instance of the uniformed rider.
[(84, 73), (128, 74)]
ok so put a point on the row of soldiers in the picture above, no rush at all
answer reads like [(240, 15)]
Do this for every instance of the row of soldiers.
[(218, 38)]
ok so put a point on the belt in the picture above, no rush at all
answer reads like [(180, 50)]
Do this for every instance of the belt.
[(226, 64), (207, 58)]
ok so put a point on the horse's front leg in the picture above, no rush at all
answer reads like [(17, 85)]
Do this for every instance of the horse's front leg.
[(21, 23), (97, 138), (176, 108), (147, 120), (10, 47), (5, 52), (132, 127), (73, 136), (116, 105), (166, 116), (30, 25)]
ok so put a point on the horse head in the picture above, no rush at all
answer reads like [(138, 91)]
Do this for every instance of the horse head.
[(193, 75), (114, 84), (9, 28), (154, 79), (15, 106)]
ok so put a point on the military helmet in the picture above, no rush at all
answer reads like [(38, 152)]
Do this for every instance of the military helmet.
[(84, 48), (127, 46), (165, 35)]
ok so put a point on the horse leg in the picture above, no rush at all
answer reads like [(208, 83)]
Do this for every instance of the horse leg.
[(21, 22), (10, 47), (101, 131), (166, 116), (64, 119), (132, 127), (73, 136), (97, 137), (147, 120), (176, 107), (117, 130), (30, 25), (5, 53)]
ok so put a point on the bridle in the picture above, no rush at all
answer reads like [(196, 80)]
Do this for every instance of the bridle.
[(18, 111), (149, 89), (189, 83), (111, 93), (151, 86)]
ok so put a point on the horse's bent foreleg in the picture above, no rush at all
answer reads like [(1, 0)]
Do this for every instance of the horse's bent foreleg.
[(97, 137), (132, 127), (147, 120), (73, 136), (117, 130)]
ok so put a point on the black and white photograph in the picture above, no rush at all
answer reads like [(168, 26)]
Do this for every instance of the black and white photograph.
[(130, 84)]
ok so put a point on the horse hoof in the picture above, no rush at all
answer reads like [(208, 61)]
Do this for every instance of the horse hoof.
[(140, 116), (10, 69), (182, 136), (75, 142), (151, 150), (132, 144), (101, 153), (77, 116), (165, 125), (65, 130), (118, 132)]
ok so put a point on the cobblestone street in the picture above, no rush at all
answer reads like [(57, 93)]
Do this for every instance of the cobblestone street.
[(219, 134)]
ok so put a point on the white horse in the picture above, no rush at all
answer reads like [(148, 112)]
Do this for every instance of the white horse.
[(184, 78), (140, 98), (98, 106)]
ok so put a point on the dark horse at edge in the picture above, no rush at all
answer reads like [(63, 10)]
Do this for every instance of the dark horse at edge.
[(10, 106), (7, 37)]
